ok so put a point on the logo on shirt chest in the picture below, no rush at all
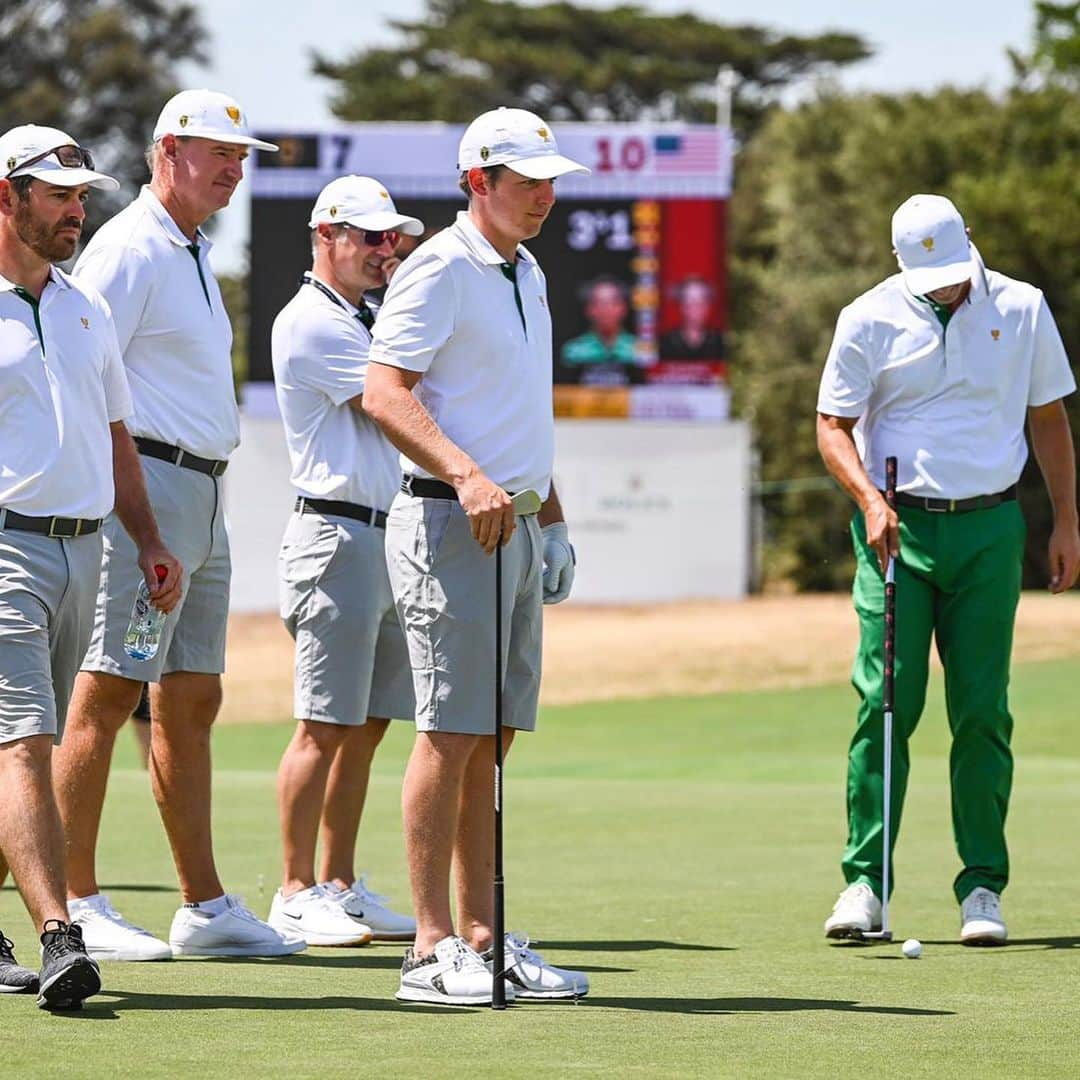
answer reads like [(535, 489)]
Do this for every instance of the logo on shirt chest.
[(85, 322), (995, 334)]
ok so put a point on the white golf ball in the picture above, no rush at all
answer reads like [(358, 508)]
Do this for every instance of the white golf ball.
[(912, 949)]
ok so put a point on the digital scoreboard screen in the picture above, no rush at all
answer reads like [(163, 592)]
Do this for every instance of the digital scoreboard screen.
[(634, 254)]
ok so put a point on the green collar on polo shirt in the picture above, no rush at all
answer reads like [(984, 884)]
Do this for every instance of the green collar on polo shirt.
[(194, 249), (509, 271), (943, 312)]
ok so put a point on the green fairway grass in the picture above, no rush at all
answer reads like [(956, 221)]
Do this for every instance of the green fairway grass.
[(683, 852)]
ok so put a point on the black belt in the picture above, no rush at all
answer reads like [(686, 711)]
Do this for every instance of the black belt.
[(175, 456), (956, 506), (355, 511), (424, 488), (60, 528)]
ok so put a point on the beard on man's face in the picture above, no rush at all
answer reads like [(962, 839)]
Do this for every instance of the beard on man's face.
[(42, 239)]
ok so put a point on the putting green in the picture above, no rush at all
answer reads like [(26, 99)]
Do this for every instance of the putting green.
[(681, 851)]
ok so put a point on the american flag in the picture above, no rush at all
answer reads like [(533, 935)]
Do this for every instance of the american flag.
[(696, 152)]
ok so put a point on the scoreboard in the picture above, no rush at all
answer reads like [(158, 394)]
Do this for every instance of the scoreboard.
[(634, 254)]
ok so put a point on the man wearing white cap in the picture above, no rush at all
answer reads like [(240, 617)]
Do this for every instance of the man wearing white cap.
[(939, 366), (460, 380), (151, 263), (68, 460), (352, 666)]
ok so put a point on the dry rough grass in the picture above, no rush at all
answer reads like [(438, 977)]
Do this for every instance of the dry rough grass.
[(596, 653)]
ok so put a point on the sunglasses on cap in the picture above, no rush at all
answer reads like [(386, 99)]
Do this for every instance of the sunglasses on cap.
[(375, 237), (69, 156)]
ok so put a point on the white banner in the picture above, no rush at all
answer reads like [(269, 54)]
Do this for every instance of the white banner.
[(657, 511), (420, 160)]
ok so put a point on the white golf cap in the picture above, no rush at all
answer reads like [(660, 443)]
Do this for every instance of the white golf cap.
[(516, 138), (25, 143), (931, 244), (206, 114), (363, 202)]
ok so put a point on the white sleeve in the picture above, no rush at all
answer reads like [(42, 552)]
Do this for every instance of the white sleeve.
[(328, 352), (1051, 377), (846, 382), (417, 316), (118, 403), (123, 276)]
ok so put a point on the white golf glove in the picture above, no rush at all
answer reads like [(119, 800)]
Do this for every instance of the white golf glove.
[(558, 562)]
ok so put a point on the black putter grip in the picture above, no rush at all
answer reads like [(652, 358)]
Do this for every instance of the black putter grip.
[(890, 599)]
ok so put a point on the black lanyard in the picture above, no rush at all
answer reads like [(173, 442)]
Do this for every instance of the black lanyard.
[(363, 312)]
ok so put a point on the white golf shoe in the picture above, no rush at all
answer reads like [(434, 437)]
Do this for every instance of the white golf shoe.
[(316, 918), (109, 936), (856, 912), (532, 977), (980, 918), (233, 931), (453, 974), (372, 909)]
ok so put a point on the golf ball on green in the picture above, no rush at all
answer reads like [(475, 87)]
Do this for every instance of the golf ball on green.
[(912, 949)]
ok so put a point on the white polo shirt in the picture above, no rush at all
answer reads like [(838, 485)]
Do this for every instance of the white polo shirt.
[(62, 383), (949, 403), (320, 352), (450, 313), (174, 333)]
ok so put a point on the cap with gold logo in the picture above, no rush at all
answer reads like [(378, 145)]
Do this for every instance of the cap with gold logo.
[(931, 244), (363, 202), (519, 139), (51, 155), (207, 114)]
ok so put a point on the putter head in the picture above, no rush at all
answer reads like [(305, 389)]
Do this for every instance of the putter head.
[(876, 935), (526, 502)]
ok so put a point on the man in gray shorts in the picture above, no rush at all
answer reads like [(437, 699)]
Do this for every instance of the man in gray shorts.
[(460, 380), (352, 666), (68, 459), (150, 262)]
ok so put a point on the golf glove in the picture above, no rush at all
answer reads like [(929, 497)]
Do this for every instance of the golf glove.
[(559, 562)]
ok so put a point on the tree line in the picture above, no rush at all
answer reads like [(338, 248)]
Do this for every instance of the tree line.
[(815, 183)]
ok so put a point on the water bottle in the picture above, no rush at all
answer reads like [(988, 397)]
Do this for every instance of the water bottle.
[(144, 630)]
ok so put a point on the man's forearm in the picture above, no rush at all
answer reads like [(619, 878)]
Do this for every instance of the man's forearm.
[(1051, 440), (132, 503), (836, 445), (410, 427)]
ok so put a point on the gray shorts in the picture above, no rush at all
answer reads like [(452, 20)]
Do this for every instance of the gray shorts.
[(187, 505), (351, 659), (47, 591), (444, 587)]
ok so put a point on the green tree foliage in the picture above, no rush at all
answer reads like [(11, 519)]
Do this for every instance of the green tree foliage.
[(1056, 55), (99, 70), (569, 62), (811, 213)]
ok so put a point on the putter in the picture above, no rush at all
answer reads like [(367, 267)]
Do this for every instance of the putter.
[(524, 502), (885, 934)]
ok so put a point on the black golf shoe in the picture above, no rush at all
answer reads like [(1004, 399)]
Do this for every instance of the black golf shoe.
[(14, 979), (68, 975)]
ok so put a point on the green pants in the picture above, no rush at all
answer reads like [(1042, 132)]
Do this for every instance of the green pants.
[(958, 578)]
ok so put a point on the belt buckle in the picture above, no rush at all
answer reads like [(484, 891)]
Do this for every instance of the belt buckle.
[(932, 509), (63, 534)]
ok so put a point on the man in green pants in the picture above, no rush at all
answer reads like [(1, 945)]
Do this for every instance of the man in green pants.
[(939, 366)]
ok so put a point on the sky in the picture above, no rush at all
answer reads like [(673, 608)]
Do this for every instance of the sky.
[(264, 60)]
